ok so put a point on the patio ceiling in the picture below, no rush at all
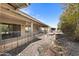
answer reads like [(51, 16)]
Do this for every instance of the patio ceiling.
[(18, 5), (16, 14)]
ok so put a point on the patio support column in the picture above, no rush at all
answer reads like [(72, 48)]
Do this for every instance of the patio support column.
[(31, 29)]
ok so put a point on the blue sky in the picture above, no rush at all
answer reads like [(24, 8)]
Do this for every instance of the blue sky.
[(48, 13)]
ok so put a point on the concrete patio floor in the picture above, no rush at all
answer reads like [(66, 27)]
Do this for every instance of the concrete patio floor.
[(32, 49)]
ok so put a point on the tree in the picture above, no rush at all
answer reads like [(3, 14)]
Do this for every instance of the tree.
[(69, 20)]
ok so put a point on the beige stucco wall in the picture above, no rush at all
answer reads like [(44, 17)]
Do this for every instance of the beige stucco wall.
[(23, 30)]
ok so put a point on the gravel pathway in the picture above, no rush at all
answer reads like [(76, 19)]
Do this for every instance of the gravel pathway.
[(72, 46)]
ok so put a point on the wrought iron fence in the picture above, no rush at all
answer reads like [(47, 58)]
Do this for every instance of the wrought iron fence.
[(13, 43)]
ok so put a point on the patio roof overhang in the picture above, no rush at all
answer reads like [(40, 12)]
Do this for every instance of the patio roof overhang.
[(16, 14), (19, 5)]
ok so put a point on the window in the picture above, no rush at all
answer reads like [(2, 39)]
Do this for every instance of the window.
[(9, 31)]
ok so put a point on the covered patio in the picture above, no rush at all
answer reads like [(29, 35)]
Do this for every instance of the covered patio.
[(17, 28)]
